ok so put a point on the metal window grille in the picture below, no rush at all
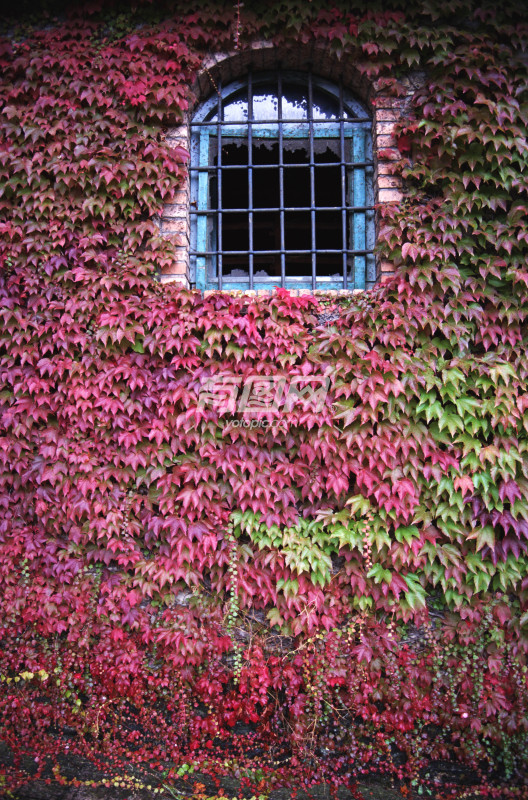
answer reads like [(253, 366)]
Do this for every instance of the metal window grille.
[(281, 186)]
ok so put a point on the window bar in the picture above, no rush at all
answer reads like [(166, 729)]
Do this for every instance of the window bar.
[(286, 208), (219, 114), (250, 177), (330, 164), (343, 186), (281, 185), (339, 251), (312, 177)]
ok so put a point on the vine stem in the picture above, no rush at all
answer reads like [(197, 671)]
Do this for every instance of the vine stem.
[(237, 30), (233, 603)]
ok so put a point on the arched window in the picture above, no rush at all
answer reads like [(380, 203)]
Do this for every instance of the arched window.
[(281, 186)]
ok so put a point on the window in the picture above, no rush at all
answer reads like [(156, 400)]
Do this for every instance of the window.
[(281, 187)]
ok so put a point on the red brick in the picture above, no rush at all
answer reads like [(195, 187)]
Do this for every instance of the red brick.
[(396, 105), (384, 128), (389, 154), (182, 195), (389, 114), (176, 280), (178, 239), (178, 132), (176, 210), (177, 267), (389, 182), (385, 141), (389, 196), (175, 225), (387, 167)]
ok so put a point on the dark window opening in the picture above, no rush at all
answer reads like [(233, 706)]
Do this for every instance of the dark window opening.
[(266, 203)]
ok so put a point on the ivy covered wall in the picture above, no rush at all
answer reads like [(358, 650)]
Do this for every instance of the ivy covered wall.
[(344, 591)]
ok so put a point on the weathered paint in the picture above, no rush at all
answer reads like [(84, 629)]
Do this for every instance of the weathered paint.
[(299, 130), (359, 199), (202, 205)]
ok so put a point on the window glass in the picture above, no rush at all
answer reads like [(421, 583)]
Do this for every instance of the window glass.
[(236, 109), (266, 105)]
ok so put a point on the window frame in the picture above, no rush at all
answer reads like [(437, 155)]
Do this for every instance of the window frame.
[(357, 217)]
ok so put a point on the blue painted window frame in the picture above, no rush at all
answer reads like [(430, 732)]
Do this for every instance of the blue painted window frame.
[(352, 127)]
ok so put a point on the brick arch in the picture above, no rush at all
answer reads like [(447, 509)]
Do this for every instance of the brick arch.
[(259, 56), (386, 109)]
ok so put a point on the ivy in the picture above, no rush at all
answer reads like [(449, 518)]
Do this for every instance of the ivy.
[(168, 574)]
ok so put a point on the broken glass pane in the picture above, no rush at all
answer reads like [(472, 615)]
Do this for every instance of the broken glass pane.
[(266, 105)]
